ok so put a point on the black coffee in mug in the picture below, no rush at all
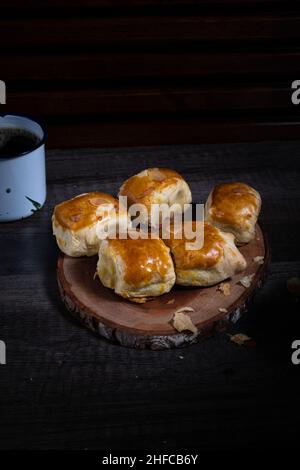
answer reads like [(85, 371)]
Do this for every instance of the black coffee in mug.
[(16, 141)]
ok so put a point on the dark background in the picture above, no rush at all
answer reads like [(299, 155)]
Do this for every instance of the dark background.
[(115, 73), (143, 72)]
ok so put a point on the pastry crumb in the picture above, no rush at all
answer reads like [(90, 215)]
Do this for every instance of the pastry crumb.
[(222, 310), (225, 288), (185, 309), (171, 301), (239, 338), (246, 280), (259, 259), (183, 322), (181, 357)]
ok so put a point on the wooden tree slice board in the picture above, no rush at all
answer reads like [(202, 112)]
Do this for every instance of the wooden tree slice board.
[(149, 325)]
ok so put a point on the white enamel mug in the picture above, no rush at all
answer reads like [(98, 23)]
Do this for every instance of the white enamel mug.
[(23, 176)]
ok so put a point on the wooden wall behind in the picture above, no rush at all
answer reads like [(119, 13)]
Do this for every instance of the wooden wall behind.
[(143, 72)]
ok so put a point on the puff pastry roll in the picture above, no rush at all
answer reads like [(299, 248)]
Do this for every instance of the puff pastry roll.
[(156, 186), (74, 222), (136, 269), (216, 260), (234, 208)]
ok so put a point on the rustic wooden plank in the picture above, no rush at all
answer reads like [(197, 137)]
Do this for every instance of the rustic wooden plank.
[(63, 388), (162, 132), (71, 172), (107, 102), (135, 3), (141, 30), (116, 66)]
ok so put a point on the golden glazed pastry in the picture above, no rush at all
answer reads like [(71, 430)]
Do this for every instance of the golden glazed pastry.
[(136, 269), (234, 208), (156, 186), (75, 222), (217, 260)]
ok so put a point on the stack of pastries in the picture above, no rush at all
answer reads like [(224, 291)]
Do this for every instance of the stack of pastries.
[(142, 268)]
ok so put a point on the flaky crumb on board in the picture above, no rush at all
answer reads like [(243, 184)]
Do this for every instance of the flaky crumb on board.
[(222, 310), (246, 280), (239, 338), (225, 288), (184, 309), (171, 301), (258, 259), (183, 322)]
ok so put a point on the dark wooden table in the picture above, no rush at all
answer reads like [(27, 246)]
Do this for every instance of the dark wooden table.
[(63, 387)]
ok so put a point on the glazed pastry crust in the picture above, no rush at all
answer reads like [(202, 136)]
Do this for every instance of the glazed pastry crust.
[(75, 221), (217, 260), (234, 208), (156, 186), (137, 270)]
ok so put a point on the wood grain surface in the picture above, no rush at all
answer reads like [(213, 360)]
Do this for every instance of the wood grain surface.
[(63, 388), (140, 71), (149, 325)]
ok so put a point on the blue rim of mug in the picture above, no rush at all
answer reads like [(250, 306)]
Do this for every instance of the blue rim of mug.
[(35, 147)]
